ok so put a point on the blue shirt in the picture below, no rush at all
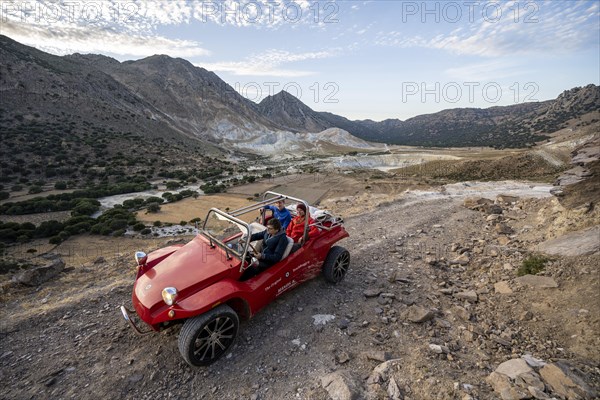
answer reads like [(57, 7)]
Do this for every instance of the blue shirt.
[(283, 216)]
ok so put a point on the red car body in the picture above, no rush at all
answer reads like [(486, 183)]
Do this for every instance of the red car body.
[(207, 276)]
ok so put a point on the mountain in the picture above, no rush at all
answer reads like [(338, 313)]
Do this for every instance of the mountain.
[(518, 125), (290, 113), (193, 100), (190, 110)]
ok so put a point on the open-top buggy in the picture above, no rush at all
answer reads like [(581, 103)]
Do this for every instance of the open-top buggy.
[(199, 284)]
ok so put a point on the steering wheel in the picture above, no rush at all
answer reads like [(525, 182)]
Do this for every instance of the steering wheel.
[(242, 240), (252, 248)]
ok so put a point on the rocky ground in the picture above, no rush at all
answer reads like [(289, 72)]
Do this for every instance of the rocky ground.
[(431, 308)]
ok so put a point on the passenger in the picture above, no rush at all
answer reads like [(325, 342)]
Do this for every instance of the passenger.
[(281, 213), (295, 229), (274, 245)]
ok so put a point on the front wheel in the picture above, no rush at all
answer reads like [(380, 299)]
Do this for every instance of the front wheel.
[(336, 264), (205, 338)]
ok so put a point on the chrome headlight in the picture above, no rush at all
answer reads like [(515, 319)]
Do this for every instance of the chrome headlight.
[(140, 257), (169, 294)]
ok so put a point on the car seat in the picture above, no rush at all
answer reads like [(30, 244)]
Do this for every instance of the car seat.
[(288, 249)]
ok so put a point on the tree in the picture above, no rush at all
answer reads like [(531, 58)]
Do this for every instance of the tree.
[(153, 208)]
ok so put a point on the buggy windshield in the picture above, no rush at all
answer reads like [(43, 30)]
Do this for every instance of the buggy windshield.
[(225, 231)]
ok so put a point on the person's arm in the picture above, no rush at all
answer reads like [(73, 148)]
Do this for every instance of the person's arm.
[(290, 229), (285, 219), (257, 236), (279, 250)]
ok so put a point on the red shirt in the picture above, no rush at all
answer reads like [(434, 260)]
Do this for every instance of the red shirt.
[(295, 229)]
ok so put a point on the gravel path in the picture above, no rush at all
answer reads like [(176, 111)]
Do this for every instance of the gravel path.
[(67, 340)]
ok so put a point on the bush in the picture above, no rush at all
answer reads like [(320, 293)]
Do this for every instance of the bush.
[(86, 207), (119, 233), (118, 224), (138, 227), (55, 240), (4, 195), (49, 228), (157, 223), (35, 189), (171, 185), (153, 207), (146, 231), (60, 185), (532, 265)]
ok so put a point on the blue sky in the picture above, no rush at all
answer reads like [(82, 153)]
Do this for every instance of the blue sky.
[(359, 59)]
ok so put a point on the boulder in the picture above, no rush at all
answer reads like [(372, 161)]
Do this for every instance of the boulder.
[(418, 314), (565, 383), (463, 259), (341, 385), (502, 385), (503, 229), (38, 275), (578, 243), (469, 295), (492, 209), (513, 368), (502, 288)]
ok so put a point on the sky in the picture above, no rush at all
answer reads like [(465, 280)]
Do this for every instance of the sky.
[(374, 60)]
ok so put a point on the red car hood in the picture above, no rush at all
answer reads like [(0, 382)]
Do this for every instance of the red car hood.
[(189, 269)]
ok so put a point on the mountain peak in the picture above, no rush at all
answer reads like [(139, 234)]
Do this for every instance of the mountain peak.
[(282, 97)]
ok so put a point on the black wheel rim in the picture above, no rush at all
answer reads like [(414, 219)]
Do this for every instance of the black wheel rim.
[(214, 339), (341, 266)]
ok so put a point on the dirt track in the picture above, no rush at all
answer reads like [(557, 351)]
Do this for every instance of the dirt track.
[(66, 339)]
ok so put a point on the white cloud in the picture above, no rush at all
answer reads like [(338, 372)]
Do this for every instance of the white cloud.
[(101, 40), (118, 28), (548, 29), (268, 64)]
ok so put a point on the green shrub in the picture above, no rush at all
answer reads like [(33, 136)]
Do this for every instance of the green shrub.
[(119, 233), (60, 185), (153, 207), (138, 227), (146, 231), (532, 265), (157, 223), (118, 224), (4, 195), (55, 240), (35, 189)]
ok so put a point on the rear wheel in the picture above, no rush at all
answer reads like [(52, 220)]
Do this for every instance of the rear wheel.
[(205, 338), (336, 264)]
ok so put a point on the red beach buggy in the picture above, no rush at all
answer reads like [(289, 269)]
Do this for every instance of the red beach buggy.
[(198, 284)]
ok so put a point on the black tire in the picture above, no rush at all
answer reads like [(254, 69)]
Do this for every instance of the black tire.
[(336, 264), (206, 338)]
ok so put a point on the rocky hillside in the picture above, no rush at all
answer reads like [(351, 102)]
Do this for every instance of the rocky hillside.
[(290, 112), (193, 100), (162, 97), (519, 125)]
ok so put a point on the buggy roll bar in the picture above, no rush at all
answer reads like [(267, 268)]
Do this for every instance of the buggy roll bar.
[(267, 201)]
